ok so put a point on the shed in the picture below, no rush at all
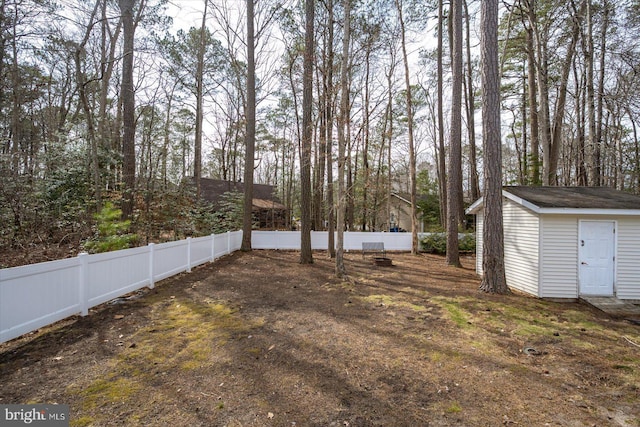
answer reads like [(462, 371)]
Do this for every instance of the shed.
[(568, 242)]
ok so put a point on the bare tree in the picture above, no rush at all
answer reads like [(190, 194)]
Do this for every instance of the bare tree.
[(197, 149), (493, 279), (412, 151), (250, 135), (128, 110), (442, 168), (341, 271), (454, 178), (306, 256)]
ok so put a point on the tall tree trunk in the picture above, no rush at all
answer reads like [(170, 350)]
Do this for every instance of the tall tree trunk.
[(494, 279), (128, 111), (108, 61), (306, 256), (86, 108), (197, 146), (365, 140), (454, 181), (412, 151), (442, 168), (558, 122), (471, 113), (321, 150), (342, 142), (331, 245), (250, 135), (534, 125), (593, 145), (601, 77)]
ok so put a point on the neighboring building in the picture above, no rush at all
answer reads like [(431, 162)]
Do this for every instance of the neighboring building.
[(568, 242), (401, 213), (268, 212)]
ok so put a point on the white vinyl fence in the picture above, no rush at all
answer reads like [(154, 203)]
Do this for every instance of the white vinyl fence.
[(33, 296), (37, 295), (290, 240)]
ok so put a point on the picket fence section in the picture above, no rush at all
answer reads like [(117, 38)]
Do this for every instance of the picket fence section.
[(33, 296), (37, 295)]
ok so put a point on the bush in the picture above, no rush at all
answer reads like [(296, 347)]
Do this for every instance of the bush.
[(436, 243), (112, 231)]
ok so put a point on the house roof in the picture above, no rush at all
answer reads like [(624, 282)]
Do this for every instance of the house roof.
[(570, 200), (263, 194), (267, 204)]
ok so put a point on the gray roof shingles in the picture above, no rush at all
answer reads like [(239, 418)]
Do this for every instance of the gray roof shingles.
[(576, 197)]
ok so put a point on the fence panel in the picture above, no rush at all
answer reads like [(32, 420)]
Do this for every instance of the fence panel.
[(392, 241), (279, 240), (33, 296), (200, 250), (220, 247), (170, 258), (113, 274), (235, 241)]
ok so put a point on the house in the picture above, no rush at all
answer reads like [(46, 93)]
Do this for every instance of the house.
[(268, 212), (568, 242), (400, 219)]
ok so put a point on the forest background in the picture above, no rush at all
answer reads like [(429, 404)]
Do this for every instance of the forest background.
[(71, 74)]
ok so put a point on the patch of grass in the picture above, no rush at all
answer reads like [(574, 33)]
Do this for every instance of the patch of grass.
[(583, 344), (454, 408), (182, 335), (456, 313), (105, 391), (81, 421), (391, 302)]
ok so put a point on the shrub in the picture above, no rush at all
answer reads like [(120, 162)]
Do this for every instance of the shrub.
[(112, 231), (437, 243)]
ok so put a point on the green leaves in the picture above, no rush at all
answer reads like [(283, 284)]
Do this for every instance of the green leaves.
[(112, 232)]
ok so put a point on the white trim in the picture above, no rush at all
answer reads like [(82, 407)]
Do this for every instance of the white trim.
[(475, 207), (589, 211), (541, 250), (401, 198), (522, 202)]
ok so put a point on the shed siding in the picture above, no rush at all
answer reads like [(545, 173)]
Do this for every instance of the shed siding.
[(627, 283), (521, 247), (479, 242), (559, 277)]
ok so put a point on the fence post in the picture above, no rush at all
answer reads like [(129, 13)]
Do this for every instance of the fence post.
[(84, 283), (188, 254), (228, 242), (213, 247), (151, 264)]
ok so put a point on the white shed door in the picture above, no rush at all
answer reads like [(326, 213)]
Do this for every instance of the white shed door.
[(596, 257)]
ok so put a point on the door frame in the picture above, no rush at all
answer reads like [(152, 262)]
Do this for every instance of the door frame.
[(614, 264)]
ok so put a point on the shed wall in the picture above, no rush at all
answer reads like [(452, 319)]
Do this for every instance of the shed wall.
[(627, 281), (479, 241), (521, 247), (559, 256)]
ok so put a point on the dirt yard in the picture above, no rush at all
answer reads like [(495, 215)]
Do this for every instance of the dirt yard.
[(256, 339)]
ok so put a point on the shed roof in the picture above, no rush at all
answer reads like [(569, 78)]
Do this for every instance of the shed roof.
[(570, 200), (576, 197)]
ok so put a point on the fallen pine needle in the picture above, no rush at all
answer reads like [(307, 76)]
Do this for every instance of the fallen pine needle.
[(631, 342)]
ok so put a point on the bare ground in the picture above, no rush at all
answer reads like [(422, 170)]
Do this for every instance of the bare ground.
[(256, 339)]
